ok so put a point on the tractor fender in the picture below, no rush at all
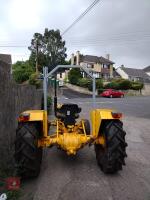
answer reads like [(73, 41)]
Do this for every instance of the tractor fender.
[(98, 115), (35, 116)]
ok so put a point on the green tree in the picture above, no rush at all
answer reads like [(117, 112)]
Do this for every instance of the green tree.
[(74, 75), (22, 71), (33, 80), (51, 49)]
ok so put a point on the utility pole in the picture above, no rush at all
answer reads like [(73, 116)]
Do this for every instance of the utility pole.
[(37, 51)]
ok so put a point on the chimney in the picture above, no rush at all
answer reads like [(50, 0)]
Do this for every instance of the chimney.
[(108, 56), (72, 59), (77, 57)]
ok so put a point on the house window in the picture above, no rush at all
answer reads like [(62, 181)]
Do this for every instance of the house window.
[(60, 75), (106, 76), (105, 66), (89, 65)]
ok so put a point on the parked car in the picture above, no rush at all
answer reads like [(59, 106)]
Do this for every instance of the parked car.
[(112, 93)]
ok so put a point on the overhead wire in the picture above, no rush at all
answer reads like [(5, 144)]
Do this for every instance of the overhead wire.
[(96, 41), (81, 16), (97, 38)]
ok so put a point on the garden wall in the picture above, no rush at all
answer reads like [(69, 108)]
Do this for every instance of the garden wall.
[(79, 89), (13, 100), (146, 89)]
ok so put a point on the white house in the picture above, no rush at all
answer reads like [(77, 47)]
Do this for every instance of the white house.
[(133, 74), (99, 66), (147, 70)]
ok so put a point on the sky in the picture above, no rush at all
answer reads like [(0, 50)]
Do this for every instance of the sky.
[(120, 28)]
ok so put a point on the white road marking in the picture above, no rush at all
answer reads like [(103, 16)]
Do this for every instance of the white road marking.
[(89, 102)]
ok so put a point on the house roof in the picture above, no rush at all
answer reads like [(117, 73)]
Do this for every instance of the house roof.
[(95, 59), (6, 58), (147, 69), (135, 72), (116, 74)]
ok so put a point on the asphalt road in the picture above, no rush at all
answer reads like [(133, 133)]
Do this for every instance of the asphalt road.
[(129, 106), (79, 177)]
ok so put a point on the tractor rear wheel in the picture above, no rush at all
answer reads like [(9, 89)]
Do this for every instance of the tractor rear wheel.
[(28, 156), (111, 157), (87, 126)]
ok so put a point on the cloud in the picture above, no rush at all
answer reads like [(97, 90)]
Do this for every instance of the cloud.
[(24, 14), (120, 28)]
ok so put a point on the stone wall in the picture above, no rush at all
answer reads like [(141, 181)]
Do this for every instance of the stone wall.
[(146, 89), (13, 100), (79, 89)]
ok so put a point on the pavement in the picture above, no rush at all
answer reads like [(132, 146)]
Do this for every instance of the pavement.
[(79, 177)]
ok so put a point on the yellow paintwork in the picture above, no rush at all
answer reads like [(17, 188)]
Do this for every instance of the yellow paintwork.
[(35, 115), (69, 139), (97, 116), (39, 115), (74, 137), (71, 142)]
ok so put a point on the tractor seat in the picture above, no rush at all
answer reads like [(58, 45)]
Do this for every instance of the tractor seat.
[(68, 113)]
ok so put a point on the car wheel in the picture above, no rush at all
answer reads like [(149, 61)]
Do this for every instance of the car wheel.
[(111, 96), (122, 96)]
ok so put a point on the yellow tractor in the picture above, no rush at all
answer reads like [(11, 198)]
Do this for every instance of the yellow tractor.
[(32, 135)]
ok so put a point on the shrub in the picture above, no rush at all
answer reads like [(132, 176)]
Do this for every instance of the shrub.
[(125, 85), (100, 90), (121, 84), (83, 82), (99, 84), (33, 80), (49, 102), (74, 75), (22, 71), (112, 85), (137, 85), (90, 85)]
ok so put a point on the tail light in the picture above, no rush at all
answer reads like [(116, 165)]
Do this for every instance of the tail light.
[(24, 117), (116, 115)]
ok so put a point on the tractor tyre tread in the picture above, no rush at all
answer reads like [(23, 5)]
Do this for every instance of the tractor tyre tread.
[(112, 157), (28, 156), (87, 126)]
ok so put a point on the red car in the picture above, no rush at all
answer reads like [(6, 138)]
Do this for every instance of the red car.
[(112, 93)]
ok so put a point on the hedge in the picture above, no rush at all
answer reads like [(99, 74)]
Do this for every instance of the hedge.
[(117, 84), (137, 85), (120, 84)]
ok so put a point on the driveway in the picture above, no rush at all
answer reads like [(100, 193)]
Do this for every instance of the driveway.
[(79, 177)]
